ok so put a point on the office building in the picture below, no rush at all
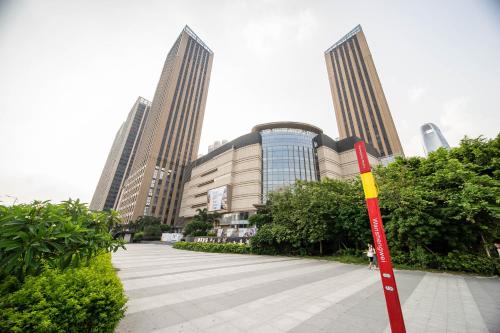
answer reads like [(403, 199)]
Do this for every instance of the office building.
[(432, 138), (360, 105), (216, 145), (120, 157), (238, 176), (172, 132)]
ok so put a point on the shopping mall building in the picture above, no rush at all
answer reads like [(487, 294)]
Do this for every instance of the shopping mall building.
[(237, 177)]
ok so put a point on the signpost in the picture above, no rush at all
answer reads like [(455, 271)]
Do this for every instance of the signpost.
[(380, 242)]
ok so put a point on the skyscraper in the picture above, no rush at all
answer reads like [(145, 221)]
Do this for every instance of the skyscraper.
[(216, 145), (359, 101), (120, 157), (172, 133), (432, 138)]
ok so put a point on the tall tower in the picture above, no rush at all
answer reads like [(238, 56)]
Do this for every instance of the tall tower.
[(172, 133), (359, 101), (120, 157), (432, 138)]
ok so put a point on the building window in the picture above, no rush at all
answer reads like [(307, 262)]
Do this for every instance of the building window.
[(287, 155)]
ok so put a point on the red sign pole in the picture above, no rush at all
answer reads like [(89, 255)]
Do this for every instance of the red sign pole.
[(380, 242)]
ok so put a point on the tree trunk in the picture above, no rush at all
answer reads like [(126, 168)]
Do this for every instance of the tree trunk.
[(320, 247), (485, 245)]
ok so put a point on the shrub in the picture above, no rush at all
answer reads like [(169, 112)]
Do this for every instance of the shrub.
[(197, 228), (469, 263), (213, 247), (138, 237), (457, 262), (152, 232), (33, 236), (84, 299), (274, 239), (165, 228)]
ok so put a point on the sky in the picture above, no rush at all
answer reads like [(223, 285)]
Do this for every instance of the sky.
[(70, 72)]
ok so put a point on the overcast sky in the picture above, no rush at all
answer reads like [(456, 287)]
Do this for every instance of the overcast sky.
[(71, 70)]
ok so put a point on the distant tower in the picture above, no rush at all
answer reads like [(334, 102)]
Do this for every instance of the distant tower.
[(216, 145), (358, 98), (120, 157), (432, 138)]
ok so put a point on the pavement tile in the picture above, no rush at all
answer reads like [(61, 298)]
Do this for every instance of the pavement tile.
[(238, 294)]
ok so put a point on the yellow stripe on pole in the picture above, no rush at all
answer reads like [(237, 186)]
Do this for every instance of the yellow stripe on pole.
[(369, 185)]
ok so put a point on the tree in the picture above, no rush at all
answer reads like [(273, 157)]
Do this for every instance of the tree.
[(201, 223), (325, 214), (445, 202), (197, 228), (263, 215), (204, 216)]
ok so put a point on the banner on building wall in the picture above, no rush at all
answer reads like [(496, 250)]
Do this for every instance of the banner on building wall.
[(171, 237), (246, 232), (218, 198)]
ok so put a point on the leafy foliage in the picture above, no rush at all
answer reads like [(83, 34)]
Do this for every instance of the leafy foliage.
[(84, 299), (443, 203), (197, 228), (213, 247), (201, 223), (138, 236), (308, 216), (439, 212), (146, 228), (39, 235)]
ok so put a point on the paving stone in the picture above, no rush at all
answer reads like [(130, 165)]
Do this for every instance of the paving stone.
[(180, 291)]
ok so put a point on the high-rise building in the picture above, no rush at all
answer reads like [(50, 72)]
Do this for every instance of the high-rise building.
[(172, 133), (216, 145), (120, 157), (359, 101), (432, 138)]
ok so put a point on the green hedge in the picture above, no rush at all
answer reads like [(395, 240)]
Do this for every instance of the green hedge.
[(214, 247), (84, 299), (414, 260), (456, 262)]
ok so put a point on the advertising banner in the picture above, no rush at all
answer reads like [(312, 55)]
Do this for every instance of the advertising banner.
[(171, 237), (218, 198), (246, 232), (380, 242)]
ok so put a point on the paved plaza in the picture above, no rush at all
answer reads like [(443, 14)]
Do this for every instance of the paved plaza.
[(172, 290)]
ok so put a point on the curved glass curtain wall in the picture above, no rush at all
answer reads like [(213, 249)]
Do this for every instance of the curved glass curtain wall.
[(287, 155)]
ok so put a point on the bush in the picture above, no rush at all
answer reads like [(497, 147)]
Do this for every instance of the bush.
[(33, 236), (85, 299), (214, 247), (165, 228), (152, 232), (456, 262), (138, 237), (197, 228), (275, 239), (470, 263)]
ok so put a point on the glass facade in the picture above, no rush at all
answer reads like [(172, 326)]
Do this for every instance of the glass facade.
[(287, 155)]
